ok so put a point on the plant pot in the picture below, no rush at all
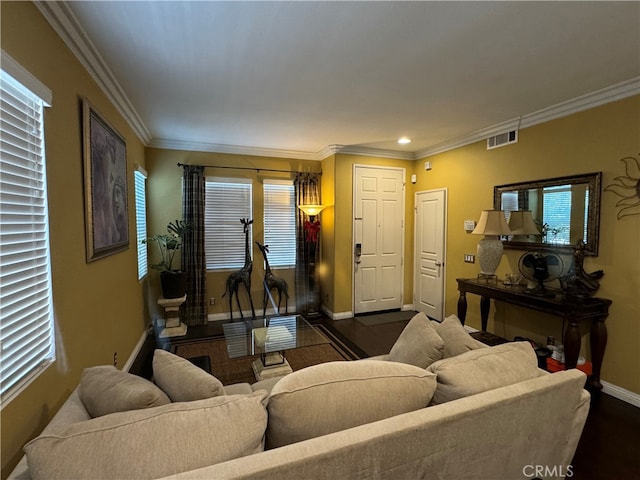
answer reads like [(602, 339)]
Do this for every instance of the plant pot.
[(174, 284)]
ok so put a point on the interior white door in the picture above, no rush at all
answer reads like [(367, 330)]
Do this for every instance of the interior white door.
[(429, 255), (378, 238)]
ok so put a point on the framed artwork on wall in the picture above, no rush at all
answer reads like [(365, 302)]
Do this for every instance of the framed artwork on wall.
[(105, 186)]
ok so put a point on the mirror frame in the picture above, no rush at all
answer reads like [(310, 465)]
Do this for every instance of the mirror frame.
[(594, 181)]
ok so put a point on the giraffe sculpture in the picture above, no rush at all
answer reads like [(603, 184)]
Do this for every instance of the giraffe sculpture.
[(241, 276), (271, 281)]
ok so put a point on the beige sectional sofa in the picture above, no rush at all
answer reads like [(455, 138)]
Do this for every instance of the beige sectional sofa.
[(440, 406)]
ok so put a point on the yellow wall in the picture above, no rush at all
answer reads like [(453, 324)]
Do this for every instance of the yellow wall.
[(165, 199), (589, 141), (339, 221), (98, 306)]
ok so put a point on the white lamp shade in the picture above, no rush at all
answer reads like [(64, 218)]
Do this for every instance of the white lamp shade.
[(521, 223), (312, 210), (492, 222)]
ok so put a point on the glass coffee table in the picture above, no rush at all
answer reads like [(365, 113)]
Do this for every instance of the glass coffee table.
[(270, 338)]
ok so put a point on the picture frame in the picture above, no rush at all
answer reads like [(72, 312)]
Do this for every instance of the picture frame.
[(105, 181)]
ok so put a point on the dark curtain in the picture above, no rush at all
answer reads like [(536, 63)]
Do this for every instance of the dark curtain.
[(194, 310), (523, 201), (307, 190)]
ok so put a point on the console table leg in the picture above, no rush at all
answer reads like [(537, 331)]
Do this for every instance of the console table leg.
[(571, 344), (462, 307), (598, 340), (485, 306)]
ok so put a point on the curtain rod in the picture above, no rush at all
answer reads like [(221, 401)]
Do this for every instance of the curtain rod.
[(247, 168)]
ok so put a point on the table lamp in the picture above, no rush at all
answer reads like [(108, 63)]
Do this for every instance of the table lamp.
[(492, 224), (521, 224)]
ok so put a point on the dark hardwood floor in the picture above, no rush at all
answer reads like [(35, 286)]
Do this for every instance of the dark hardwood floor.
[(609, 447)]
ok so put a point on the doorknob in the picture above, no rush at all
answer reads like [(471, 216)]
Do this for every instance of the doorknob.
[(439, 264), (358, 252)]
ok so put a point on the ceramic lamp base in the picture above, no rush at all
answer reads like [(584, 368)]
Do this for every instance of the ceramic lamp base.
[(490, 251)]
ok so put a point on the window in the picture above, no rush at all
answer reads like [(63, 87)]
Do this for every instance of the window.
[(226, 202), (26, 312), (280, 222), (509, 203), (557, 214), (140, 179)]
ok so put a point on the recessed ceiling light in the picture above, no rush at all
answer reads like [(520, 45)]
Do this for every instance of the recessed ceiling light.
[(404, 140)]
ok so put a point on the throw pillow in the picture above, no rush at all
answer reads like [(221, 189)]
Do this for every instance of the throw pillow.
[(152, 443), (105, 389), (419, 344), (181, 380), (456, 339), (484, 369), (335, 396)]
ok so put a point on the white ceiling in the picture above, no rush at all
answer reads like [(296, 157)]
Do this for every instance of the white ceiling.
[(297, 77)]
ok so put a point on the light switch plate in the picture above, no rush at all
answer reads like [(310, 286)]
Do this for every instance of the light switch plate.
[(469, 225)]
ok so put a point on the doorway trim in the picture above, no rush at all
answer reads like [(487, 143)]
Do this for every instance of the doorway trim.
[(353, 229), (444, 246)]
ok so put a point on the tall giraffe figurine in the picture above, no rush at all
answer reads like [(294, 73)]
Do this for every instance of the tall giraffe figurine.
[(271, 281), (243, 275)]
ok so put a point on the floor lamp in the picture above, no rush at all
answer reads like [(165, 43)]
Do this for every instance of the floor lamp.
[(311, 236)]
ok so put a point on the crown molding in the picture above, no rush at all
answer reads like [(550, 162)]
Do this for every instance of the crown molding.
[(585, 102), (373, 152), (64, 22), (234, 149), (66, 25), (603, 96)]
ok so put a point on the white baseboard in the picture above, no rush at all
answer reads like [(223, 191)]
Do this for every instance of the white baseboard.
[(135, 352), (620, 393), (345, 315), (336, 316)]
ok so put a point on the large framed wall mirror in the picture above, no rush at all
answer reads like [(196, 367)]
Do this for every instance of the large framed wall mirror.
[(564, 210)]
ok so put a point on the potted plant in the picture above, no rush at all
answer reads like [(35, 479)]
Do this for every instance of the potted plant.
[(173, 282)]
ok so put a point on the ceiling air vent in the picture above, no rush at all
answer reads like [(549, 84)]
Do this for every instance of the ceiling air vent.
[(502, 139)]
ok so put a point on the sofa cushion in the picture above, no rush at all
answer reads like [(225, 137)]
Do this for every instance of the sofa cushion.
[(419, 344), (181, 380), (484, 369), (334, 396), (154, 442), (456, 339), (105, 389)]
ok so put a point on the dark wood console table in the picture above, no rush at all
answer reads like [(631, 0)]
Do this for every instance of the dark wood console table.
[(573, 313)]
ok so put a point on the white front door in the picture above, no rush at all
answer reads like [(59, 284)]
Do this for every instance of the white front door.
[(429, 253), (378, 238)]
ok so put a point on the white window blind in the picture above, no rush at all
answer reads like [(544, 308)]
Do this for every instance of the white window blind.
[(280, 222), (226, 202), (26, 312), (509, 203), (140, 180), (557, 213)]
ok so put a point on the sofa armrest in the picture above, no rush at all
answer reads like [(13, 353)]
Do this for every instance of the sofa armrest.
[(21, 472), (72, 411)]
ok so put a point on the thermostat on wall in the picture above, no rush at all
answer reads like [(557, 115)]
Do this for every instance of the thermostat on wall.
[(469, 225)]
